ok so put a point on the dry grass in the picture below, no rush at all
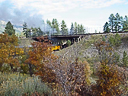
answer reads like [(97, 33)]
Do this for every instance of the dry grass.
[(25, 42)]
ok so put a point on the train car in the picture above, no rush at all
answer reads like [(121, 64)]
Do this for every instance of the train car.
[(55, 48)]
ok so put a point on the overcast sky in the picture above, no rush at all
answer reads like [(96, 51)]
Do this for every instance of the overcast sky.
[(90, 13)]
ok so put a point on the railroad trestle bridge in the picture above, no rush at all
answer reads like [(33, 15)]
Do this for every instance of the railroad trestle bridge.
[(62, 39)]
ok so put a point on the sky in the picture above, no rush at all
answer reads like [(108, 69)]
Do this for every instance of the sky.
[(92, 14)]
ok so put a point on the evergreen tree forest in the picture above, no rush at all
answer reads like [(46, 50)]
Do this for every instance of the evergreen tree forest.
[(116, 23), (53, 28)]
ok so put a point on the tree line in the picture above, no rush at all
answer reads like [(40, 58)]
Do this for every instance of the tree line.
[(116, 23), (75, 28), (55, 29)]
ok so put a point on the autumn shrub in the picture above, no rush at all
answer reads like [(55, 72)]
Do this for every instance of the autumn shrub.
[(71, 75), (24, 68), (40, 59), (109, 82), (112, 81), (110, 77), (124, 76), (71, 72), (9, 53), (83, 88)]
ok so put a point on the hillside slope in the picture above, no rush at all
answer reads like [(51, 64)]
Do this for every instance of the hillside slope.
[(25, 42), (86, 50)]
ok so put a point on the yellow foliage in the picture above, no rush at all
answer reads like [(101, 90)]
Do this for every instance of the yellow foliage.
[(87, 72), (8, 50)]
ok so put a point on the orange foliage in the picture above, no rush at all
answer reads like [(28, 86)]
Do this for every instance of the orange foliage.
[(109, 82), (8, 51), (40, 57)]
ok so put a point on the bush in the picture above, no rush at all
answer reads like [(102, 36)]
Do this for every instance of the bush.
[(18, 85), (68, 43), (125, 59), (115, 40)]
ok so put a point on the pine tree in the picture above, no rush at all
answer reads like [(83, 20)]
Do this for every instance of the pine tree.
[(34, 31), (9, 29), (49, 23), (76, 28), (25, 29), (106, 28), (64, 28), (82, 29), (79, 29), (125, 23), (111, 22), (72, 29), (117, 22), (40, 32), (55, 26)]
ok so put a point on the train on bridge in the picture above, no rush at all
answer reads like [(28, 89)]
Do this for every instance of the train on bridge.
[(60, 41)]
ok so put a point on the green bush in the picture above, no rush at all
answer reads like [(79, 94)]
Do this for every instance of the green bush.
[(116, 58), (18, 84), (68, 43), (115, 40), (103, 39), (34, 84), (125, 59)]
